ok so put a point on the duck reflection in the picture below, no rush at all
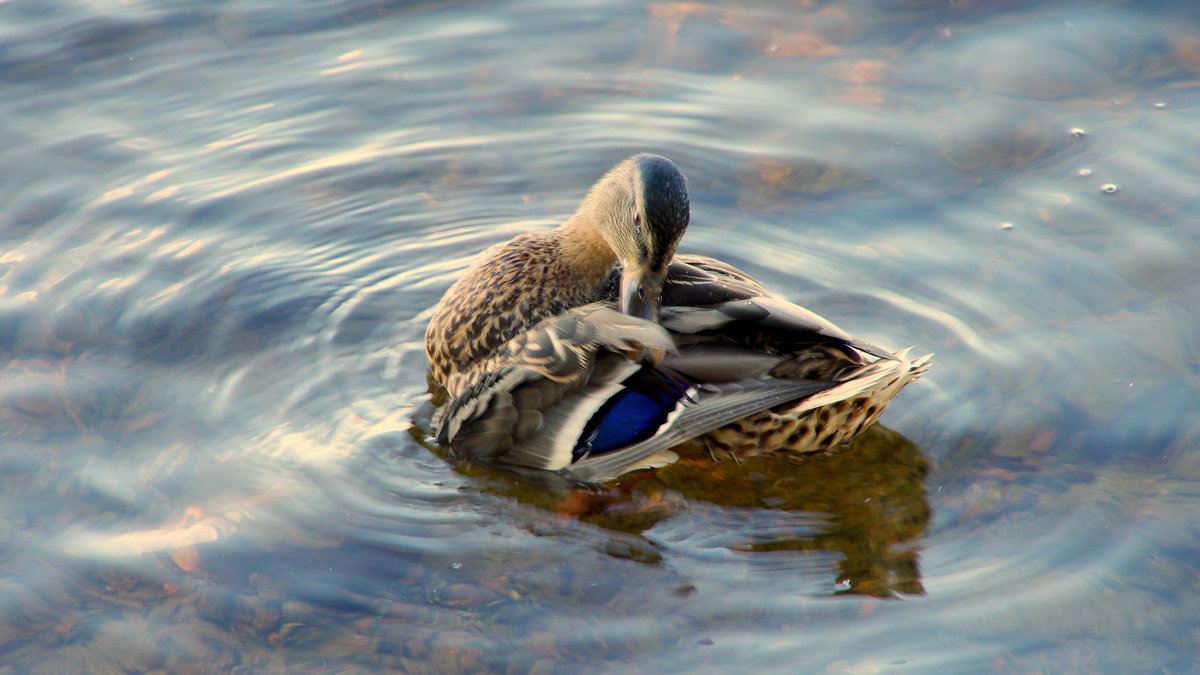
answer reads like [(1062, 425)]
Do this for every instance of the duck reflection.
[(865, 504)]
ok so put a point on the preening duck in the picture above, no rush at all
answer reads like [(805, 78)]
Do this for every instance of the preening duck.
[(592, 348)]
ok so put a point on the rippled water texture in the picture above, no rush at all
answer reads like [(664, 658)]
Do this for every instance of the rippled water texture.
[(222, 226)]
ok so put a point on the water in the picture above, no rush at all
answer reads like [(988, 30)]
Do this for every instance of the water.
[(224, 225)]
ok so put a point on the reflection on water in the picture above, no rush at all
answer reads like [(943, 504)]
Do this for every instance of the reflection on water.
[(864, 506), (224, 225)]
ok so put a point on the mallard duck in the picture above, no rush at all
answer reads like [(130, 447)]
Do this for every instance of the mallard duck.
[(592, 348)]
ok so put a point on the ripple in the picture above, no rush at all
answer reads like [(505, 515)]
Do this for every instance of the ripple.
[(230, 224)]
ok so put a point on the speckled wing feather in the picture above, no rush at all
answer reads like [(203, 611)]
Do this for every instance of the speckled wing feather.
[(711, 407), (545, 362), (716, 405)]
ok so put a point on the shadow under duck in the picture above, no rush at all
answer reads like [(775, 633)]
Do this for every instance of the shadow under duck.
[(592, 348)]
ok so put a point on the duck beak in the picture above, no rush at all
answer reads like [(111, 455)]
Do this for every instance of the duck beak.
[(641, 290)]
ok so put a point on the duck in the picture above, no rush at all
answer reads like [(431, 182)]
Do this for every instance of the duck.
[(591, 349)]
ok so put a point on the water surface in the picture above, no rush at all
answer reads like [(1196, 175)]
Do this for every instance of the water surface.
[(224, 225)]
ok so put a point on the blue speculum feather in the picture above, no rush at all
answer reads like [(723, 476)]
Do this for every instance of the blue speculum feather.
[(633, 415)]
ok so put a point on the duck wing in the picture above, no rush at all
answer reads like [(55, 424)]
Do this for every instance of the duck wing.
[(565, 397), (702, 409), (504, 397), (705, 295)]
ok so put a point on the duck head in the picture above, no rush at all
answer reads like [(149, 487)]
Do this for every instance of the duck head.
[(640, 208)]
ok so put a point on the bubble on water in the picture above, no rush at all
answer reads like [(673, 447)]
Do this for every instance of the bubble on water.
[(842, 585), (1084, 172), (1110, 188), (456, 566), (1007, 226), (1160, 105), (1076, 132), (773, 48), (946, 32)]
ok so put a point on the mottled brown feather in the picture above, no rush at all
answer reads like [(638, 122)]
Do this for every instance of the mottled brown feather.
[(508, 290)]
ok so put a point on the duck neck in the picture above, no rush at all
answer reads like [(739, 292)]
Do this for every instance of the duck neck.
[(584, 250)]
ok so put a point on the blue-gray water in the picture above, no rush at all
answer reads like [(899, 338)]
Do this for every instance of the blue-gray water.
[(223, 224)]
